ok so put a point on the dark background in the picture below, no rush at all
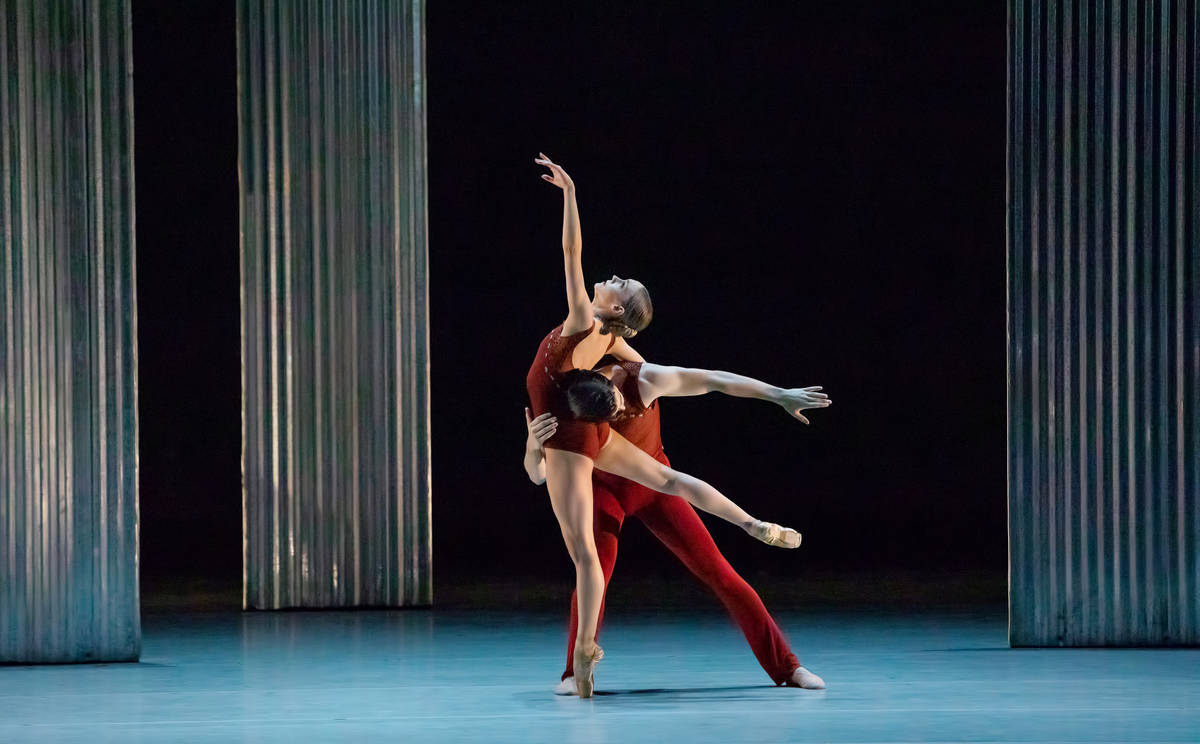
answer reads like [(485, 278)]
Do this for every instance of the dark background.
[(812, 192)]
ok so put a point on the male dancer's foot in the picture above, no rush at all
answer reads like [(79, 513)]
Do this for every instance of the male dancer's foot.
[(805, 679), (566, 687), (773, 534), (584, 665)]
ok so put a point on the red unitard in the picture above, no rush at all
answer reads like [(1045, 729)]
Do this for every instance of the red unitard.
[(675, 523), (542, 383)]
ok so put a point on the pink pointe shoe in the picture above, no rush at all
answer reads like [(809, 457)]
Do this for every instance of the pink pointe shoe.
[(584, 666), (774, 534)]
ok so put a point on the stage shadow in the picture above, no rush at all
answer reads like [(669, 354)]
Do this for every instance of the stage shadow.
[(684, 690), (963, 650)]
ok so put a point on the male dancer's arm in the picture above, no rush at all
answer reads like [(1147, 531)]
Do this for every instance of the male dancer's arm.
[(580, 315), (539, 430), (658, 381)]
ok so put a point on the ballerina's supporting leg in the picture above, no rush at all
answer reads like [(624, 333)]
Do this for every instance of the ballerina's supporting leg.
[(608, 516), (569, 480), (619, 457)]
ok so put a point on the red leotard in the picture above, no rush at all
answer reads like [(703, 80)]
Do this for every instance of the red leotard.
[(638, 423), (552, 360), (674, 522)]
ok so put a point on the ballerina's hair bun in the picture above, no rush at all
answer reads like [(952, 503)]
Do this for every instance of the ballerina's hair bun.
[(639, 311)]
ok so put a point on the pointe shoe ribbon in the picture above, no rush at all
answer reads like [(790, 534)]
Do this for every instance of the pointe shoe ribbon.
[(776, 535)]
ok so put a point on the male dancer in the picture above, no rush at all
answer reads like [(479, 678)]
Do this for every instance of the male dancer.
[(626, 395)]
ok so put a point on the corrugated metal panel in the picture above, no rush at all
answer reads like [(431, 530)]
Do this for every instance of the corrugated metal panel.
[(1103, 322), (68, 339), (331, 109)]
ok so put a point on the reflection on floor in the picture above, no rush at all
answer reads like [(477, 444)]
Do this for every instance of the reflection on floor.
[(670, 677)]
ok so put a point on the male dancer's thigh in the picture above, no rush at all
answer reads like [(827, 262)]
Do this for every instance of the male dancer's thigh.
[(607, 517), (675, 523)]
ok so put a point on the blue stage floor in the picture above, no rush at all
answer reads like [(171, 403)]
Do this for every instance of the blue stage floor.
[(458, 676)]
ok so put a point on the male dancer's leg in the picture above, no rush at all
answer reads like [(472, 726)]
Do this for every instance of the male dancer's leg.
[(607, 517), (674, 522)]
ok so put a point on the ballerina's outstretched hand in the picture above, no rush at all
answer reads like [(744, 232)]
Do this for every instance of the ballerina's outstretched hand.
[(557, 175)]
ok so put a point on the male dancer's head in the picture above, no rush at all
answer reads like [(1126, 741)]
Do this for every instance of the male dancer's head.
[(592, 396)]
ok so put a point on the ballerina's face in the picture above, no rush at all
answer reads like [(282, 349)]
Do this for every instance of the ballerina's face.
[(609, 297)]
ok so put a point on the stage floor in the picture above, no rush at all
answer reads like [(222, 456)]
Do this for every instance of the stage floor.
[(459, 676)]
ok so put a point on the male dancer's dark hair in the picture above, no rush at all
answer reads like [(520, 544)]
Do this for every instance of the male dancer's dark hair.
[(590, 395)]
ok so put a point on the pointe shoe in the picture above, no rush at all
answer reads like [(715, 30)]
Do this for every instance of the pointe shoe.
[(583, 667), (566, 687), (805, 679), (773, 534)]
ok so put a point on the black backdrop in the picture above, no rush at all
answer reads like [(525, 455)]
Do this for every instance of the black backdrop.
[(813, 193)]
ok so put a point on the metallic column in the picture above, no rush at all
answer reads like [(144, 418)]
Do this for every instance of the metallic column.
[(335, 363), (68, 337), (1104, 322)]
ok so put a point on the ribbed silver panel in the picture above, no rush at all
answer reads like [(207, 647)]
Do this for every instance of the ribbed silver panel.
[(335, 380), (1103, 322), (68, 337)]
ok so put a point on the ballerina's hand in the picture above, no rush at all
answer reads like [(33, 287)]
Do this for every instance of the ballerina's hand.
[(557, 175), (801, 399), (540, 428)]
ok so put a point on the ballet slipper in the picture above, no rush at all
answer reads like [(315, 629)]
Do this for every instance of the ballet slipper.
[(566, 687), (774, 534), (804, 679), (584, 666)]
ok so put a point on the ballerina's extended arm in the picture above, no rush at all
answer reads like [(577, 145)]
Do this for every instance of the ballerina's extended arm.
[(579, 305)]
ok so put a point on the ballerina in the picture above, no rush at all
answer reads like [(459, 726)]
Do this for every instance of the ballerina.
[(596, 326), (626, 395)]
